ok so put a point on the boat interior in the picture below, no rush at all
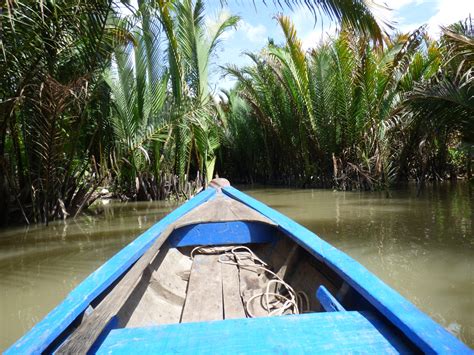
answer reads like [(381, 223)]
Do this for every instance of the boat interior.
[(203, 273), (195, 283), (223, 261)]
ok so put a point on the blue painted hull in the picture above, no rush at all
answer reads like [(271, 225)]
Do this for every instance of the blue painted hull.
[(394, 323)]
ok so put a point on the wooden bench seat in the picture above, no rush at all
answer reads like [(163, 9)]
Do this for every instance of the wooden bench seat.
[(331, 332)]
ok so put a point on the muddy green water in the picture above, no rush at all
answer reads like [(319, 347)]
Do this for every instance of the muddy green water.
[(421, 246)]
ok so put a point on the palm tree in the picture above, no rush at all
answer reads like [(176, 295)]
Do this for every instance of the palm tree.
[(329, 113), (157, 131), (190, 47), (52, 54), (138, 83), (52, 58), (443, 105)]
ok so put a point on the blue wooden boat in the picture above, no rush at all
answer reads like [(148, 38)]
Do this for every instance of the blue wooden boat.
[(224, 273)]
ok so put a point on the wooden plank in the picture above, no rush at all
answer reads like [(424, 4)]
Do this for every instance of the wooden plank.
[(222, 209), (48, 329), (327, 301), (328, 333), (204, 294), (429, 336), (233, 307), (223, 233)]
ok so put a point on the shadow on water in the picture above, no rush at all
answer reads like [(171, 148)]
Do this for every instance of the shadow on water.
[(421, 246)]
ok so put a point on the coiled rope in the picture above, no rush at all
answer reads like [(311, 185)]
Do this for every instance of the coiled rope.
[(274, 301)]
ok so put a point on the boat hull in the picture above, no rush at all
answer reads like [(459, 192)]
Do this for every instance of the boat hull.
[(366, 296)]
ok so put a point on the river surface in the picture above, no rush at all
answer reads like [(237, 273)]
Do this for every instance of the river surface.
[(421, 246)]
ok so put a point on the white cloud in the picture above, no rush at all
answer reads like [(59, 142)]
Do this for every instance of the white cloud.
[(387, 12), (305, 23), (448, 12), (255, 34), (312, 32), (312, 39), (317, 36), (212, 23), (398, 4)]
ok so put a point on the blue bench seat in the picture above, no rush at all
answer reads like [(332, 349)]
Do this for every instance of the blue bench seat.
[(333, 332)]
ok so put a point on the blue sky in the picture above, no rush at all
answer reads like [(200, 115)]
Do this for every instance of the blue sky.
[(258, 24)]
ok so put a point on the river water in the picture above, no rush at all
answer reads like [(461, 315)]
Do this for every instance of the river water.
[(421, 246)]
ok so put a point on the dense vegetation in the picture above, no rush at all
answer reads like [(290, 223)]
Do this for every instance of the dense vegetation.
[(350, 115), (91, 98)]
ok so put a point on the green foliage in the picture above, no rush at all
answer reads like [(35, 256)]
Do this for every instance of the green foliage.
[(138, 83), (157, 131), (348, 114), (442, 105), (191, 45), (90, 97), (53, 54)]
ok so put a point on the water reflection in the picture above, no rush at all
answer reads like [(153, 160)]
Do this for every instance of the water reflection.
[(421, 246)]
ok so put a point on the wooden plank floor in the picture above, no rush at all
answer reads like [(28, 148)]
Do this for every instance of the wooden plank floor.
[(233, 307), (329, 333), (204, 294), (213, 292)]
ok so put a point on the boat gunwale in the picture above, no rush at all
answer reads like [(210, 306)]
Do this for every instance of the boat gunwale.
[(423, 331)]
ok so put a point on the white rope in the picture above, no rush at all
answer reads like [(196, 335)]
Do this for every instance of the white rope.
[(291, 303), (208, 250)]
